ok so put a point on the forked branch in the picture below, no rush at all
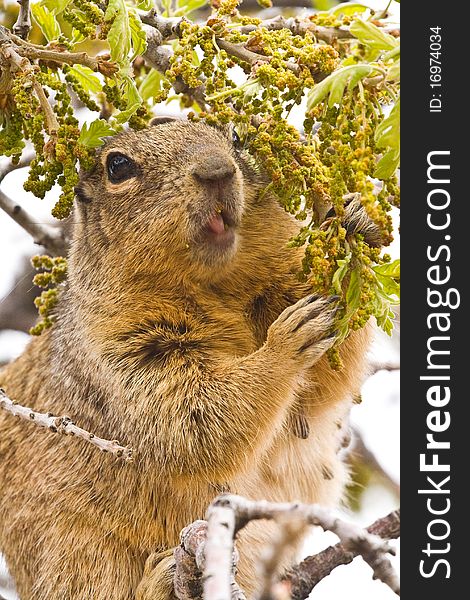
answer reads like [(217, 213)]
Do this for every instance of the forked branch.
[(206, 557)]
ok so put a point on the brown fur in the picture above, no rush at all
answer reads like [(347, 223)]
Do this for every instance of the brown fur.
[(176, 349)]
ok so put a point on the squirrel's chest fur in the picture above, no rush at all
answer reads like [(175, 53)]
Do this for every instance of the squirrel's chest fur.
[(133, 501)]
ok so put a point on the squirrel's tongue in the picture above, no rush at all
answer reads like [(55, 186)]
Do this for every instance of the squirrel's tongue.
[(216, 224)]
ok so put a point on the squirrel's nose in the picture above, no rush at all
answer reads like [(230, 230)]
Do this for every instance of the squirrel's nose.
[(216, 167)]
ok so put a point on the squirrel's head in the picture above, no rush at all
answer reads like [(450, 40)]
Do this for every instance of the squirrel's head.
[(175, 188)]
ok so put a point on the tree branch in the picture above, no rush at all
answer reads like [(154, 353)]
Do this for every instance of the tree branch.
[(253, 4), (303, 26), (63, 425), (52, 125), (306, 575), (361, 452), (9, 56), (252, 58), (158, 56), (221, 530), (29, 51), (100, 64), (168, 27), (22, 27), (189, 561), (289, 535), (383, 366), (229, 513), (51, 238), (207, 551)]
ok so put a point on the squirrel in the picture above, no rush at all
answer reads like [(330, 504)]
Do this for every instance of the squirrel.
[(184, 332)]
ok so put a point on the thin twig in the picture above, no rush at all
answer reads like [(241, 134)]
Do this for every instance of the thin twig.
[(290, 533), (303, 577), (99, 64), (51, 238), (252, 58), (360, 452), (229, 513), (63, 425), (9, 52), (375, 367), (52, 125), (22, 27), (167, 26), (303, 26), (30, 51), (9, 166)]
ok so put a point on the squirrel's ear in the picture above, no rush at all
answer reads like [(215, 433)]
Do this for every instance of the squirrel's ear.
[(161, 120)]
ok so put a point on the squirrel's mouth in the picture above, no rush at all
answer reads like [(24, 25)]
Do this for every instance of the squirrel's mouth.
[(220, 228)]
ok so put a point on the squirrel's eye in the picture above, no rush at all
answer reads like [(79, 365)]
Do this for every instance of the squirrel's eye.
[(120, 167), (236, 138)]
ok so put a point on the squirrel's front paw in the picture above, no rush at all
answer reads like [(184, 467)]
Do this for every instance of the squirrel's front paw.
[(157, 581), (304, 331), (356, 220)]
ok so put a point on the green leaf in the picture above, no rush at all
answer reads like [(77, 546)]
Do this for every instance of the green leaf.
[(389, 269), (388, 276), (372, 36), (46, 21), (151, 84), (387, 134), (131, 95), (348, 8), (335, 84), (390, 288), (353, 295), (394, 71), (251, 88), (188, 6), (55, 6), (388, 283), (340, 273), (139, 39), (388, 164), (119, 34), (145, 5), (77, 36), (91, 135), (385, 322), (87, 78), (322, 5), (395, 54)]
